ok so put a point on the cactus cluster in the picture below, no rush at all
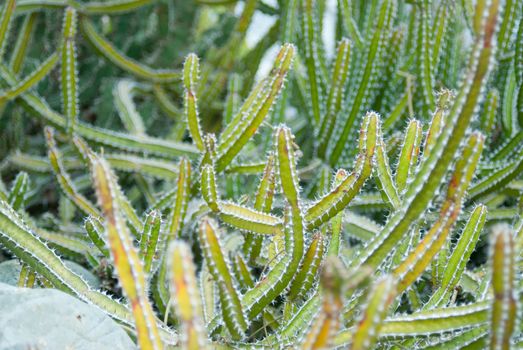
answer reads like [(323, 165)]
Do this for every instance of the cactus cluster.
[(368, 198)]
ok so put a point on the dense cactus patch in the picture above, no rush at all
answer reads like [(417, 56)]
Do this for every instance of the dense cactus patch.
[(365, 198)]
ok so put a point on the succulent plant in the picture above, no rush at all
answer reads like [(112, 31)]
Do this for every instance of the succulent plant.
[(369, 198)]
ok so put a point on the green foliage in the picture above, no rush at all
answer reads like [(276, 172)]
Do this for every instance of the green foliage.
[(368, 198)]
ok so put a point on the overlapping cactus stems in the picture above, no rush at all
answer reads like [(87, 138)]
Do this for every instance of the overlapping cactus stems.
[(371, 251)]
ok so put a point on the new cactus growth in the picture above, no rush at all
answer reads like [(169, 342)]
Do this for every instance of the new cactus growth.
[(365, 198)]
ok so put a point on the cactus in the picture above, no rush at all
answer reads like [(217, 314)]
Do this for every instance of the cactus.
[(343, 199)]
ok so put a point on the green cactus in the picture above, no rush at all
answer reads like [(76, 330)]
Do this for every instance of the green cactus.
[(366, 198)]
